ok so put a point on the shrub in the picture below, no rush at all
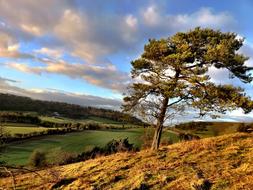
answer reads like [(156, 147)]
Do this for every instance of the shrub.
[(197, 126), (38, 158), (187, 137), (246, 128), (202, 184), (111, 147), (166, 142), (117, 146)]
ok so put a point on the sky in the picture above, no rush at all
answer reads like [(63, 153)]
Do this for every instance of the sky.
[(79, 51)]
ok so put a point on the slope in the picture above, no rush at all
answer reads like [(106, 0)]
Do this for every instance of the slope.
[(224, 162)]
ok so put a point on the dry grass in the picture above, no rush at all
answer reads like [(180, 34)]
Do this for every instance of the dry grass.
[(226, 162)]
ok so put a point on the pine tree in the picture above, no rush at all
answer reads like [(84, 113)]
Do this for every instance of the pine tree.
[(172, 75)]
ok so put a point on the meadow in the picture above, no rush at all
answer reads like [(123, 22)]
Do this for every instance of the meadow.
[(22, 128), (18, 153), (90, 119), (208, 129)]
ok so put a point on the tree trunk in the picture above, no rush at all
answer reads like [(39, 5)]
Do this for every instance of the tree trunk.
[(159, 125), (157, 138)]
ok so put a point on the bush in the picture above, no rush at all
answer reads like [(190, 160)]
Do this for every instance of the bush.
[(38, 159), (121, 145), (188, 137), (166, 142), (111, 147), (197, 126), (245, 128)]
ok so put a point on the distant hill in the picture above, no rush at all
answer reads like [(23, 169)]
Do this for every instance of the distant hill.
[(208, 129), (223, 162), (10, 102)]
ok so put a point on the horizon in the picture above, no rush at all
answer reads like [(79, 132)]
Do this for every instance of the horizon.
[(67, 51)]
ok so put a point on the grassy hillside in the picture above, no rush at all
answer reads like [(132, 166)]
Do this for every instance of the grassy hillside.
[(226, 162)]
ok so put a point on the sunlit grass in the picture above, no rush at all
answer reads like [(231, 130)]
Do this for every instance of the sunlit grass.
[(225, 161)]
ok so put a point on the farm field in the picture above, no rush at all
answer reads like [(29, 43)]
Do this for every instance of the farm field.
[(18, 153), (91, 119), (22, 128), (213, 129)]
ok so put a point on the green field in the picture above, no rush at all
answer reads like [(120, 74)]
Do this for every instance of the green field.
[(214, 129), (91, 119), (22, 128), (18, 153)]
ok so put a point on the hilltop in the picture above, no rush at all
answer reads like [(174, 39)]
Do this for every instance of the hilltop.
[(223, 162), (25, 104)]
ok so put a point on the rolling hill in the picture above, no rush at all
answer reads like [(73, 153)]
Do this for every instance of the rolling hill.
[(24, 104), (224, 162)]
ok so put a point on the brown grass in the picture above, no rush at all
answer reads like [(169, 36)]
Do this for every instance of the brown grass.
[(225, 161)]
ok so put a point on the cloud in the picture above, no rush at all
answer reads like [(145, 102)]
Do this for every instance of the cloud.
[(9, 47), (151, 16), (36, 18), (93, 36), (52, 53), (6, 86), (157, 21), (106, 76), (131, 21)]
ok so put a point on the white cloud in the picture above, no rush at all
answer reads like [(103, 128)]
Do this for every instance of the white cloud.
[(7, 86), (91, 36), (9, 47), (106, 76), (34, 30), (131, 21), (205, 17), (34, 17), (52, 53), (154, 16), (151, 16)]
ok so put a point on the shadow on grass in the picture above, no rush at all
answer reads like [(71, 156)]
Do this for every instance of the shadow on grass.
[(63, 182)]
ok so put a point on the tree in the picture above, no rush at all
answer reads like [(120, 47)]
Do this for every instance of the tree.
[(3, 135), (172, 75)]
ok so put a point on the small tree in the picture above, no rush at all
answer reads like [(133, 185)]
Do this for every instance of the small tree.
[(2, 135), (38, 158), (2, 139), (172, 74)]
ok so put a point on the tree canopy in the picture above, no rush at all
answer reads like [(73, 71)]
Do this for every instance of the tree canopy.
[(172, 74)]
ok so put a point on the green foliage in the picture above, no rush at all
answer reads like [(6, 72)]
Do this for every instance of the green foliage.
[(174, 76), (38, 158)]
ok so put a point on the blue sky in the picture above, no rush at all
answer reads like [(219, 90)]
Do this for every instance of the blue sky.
[(80, 51)]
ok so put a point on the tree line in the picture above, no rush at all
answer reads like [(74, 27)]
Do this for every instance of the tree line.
[(24, 104)]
